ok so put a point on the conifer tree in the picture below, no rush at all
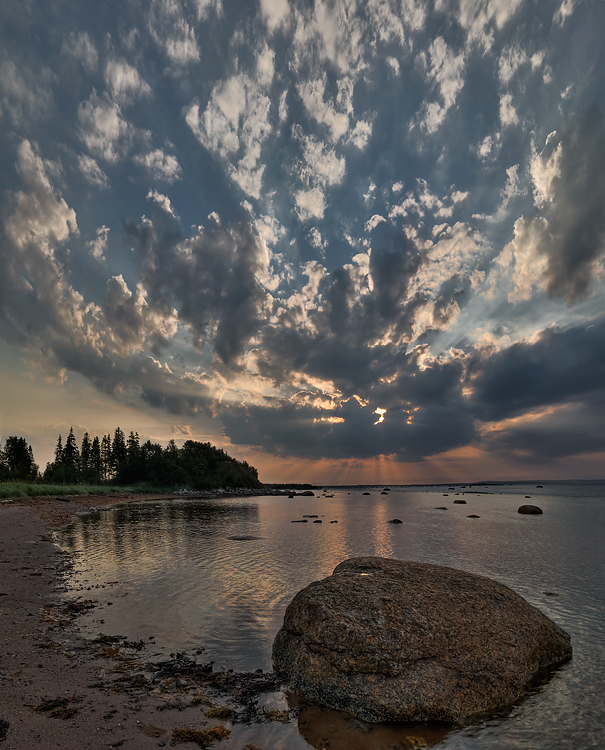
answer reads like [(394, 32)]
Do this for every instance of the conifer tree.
[(118, 451), (17, 459), (59, 451), (71, 458), (85, 467), (96, 463), (106, 468)]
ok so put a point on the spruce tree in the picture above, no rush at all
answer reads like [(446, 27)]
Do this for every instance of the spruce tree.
[(118, 451), (59, 452), (96, 463), (85, 468), (106, 468), (71, 458)]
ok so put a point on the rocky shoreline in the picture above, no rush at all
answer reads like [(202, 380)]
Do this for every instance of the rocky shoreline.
[(59, 690)]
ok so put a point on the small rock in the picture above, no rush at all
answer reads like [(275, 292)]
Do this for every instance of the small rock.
[(459, 502), (532, 510), (318, 520), (395, 520), (473, 516)]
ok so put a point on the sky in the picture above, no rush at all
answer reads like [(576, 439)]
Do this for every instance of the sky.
[(349, 241)]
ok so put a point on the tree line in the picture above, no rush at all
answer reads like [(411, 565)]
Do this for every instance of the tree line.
[(119, 459)]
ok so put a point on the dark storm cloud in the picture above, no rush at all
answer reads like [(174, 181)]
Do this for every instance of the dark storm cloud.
[(574, 237), (561, 366), (425, 411), (573, 430), (289, 429), (343, 342), (211, 279)]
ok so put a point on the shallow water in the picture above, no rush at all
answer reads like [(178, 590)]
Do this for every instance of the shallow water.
[(219, 574)]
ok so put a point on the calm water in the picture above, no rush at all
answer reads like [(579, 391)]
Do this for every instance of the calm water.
[(219, 574)]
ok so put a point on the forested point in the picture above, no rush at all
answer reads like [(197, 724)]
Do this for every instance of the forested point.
[(125, 461)]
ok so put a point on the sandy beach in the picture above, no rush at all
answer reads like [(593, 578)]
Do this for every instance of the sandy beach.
[(57, 690)]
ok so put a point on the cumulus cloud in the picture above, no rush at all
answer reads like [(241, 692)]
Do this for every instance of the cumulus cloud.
[(310, 204), (124, 82), (480, 18), (275, 13), (361, 134), (98, 245), (42, 311), (561, 246), (92, 172), (445, 70), (39, 216), (564, 11), (25, 94), (210, 278), (172, 32), (80, 46), (332, 112), (160, 165), (236, 122), (321, 166), (103, 129), (163, 201), (508, 113)]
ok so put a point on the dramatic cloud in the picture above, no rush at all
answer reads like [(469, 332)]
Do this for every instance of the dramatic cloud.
[(561, 366), (210, 278), (561, 247), (337, 229)]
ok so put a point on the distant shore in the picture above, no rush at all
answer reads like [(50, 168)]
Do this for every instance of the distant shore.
[(56, 511)]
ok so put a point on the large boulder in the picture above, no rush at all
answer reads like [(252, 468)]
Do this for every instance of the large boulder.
[(388, 640)]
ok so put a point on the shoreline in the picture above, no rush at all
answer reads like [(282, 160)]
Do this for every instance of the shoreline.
[(56, 688), (60, 690)]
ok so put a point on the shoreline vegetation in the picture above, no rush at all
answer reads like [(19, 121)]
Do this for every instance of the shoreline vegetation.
[(120, 461)]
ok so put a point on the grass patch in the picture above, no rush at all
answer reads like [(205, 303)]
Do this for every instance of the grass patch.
[(32, 489)]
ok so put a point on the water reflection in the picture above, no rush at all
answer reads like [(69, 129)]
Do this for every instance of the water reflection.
[(219, 575)]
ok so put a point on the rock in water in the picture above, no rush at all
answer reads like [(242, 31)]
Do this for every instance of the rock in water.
[(388, 640)]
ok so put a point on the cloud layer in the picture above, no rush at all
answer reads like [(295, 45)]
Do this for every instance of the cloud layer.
[(341, 230)]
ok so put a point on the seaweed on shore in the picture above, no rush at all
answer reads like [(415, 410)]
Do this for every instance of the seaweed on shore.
[(59, 615), (203, 738), (58, 708)]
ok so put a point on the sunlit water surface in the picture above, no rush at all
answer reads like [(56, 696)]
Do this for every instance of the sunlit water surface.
[(219, 574)]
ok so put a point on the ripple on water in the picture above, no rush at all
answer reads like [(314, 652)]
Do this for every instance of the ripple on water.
[(219, 575)]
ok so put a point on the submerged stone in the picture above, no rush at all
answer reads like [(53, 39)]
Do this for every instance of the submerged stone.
[(532, 510), (388, 640)]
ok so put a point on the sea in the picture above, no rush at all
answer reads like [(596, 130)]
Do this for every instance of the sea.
[(212, 578)]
